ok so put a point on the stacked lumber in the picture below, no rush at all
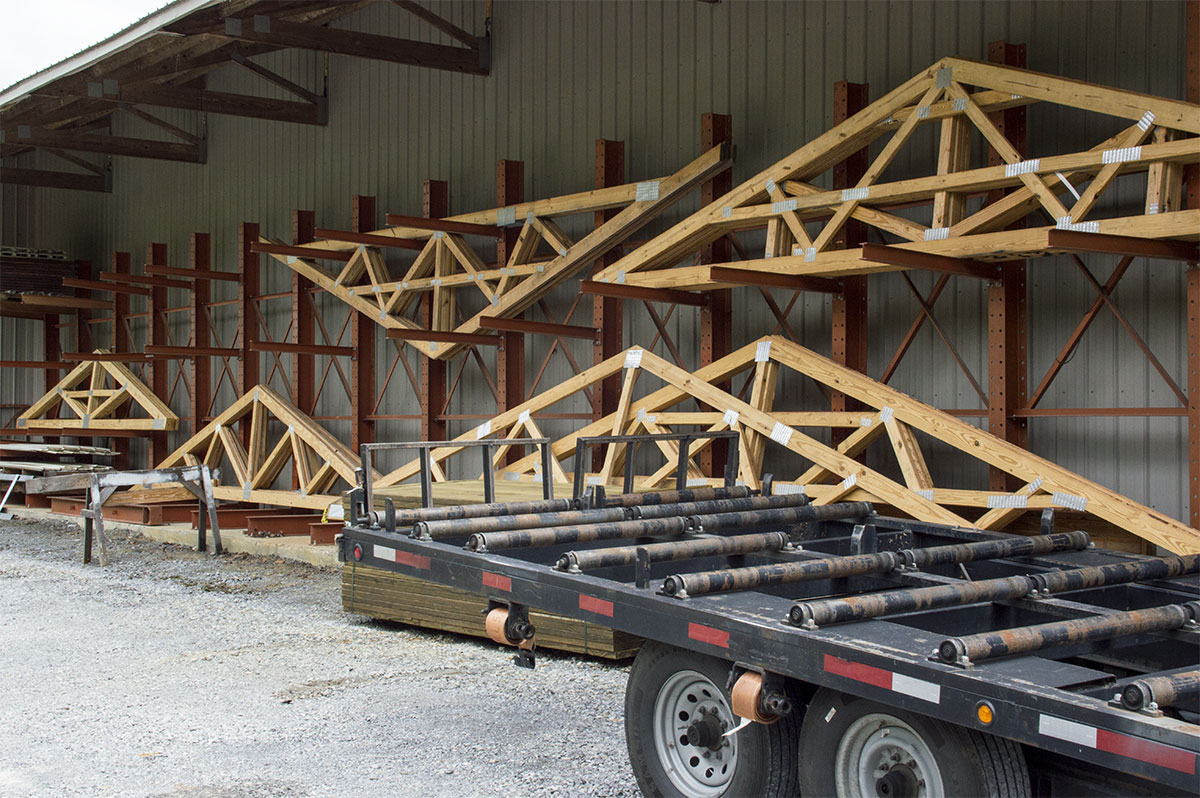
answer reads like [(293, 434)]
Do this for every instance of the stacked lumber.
[(384, 595)]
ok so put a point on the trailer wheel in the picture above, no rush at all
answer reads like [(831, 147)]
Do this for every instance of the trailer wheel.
[(676, 713), (853, 747)]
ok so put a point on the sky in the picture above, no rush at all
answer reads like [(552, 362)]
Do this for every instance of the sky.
[(35, 34)]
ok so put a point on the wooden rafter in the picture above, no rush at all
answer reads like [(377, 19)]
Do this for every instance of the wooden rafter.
[(891, 421)]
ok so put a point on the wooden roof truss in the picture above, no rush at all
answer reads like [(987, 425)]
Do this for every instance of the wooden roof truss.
[(891, 419), (447, 265), (802, 220), (279, 435), (99, 395)]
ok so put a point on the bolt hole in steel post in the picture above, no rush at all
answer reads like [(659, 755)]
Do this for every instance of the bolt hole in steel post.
[(367, 453)]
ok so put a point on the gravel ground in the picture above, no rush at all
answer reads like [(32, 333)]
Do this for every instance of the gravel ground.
[(170, 673)]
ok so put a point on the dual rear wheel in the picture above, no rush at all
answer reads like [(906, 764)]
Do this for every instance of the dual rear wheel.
[(679, 727)]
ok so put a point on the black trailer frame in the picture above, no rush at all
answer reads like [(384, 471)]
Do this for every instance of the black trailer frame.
[(1058, 700)]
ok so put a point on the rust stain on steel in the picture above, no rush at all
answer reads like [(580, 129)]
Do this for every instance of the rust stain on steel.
[(833, 567), (855, 608), (673, 550), (1024, 639)]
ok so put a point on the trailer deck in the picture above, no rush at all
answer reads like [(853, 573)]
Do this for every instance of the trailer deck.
[(1123, 620)]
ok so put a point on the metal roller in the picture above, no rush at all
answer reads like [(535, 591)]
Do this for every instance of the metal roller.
[(592, 559), (552, 536), (1024, 639), (822, 612), (720, 506), (463, 527), (728, 579), (1156, 692), (677, 496), (753, 519), (405, 518)]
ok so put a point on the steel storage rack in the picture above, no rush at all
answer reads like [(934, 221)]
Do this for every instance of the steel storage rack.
[(793, 648)]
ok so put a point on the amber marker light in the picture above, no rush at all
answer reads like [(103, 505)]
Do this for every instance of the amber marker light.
[(984, 713)]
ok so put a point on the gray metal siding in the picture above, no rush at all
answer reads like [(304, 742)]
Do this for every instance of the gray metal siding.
[(565, 74)]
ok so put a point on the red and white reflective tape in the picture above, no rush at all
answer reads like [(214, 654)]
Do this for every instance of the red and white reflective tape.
[(1167, 756), (403, 557), (896, 682)]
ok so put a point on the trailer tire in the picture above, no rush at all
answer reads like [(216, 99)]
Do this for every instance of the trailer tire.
[(666, 683), (840, 731)]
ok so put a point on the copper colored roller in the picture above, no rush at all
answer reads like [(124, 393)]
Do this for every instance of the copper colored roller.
[(496, 624), (747, 698), (496, 620)]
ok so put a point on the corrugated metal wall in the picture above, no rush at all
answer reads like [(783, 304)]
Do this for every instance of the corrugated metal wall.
[(565, 74)]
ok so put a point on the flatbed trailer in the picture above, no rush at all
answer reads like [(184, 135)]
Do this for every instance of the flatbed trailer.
[(851, 653)]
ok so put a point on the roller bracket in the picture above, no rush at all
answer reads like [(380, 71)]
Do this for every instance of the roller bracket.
[(757, 694), (508, 624)]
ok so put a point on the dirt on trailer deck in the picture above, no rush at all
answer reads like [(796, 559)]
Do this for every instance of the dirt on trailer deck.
[(173, 673)]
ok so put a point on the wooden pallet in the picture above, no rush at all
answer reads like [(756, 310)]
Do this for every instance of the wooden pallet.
[(388, 596)]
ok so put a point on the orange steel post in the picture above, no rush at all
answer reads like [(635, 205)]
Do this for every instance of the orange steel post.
[(849, 308), (607, 312), (303, 319), (362, 219), (716, 317), (156, 255), (435, 204), (1008, 329), (201, 260)]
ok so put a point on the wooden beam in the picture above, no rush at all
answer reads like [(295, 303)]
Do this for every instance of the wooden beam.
[(441, 23), (217, 102), (283, 33), (110, 145), (45, 178)]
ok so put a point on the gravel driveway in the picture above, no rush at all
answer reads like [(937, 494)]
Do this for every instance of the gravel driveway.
[(170, 673)]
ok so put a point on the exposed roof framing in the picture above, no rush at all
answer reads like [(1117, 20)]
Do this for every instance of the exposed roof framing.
[(163, 60), (803, 221)]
